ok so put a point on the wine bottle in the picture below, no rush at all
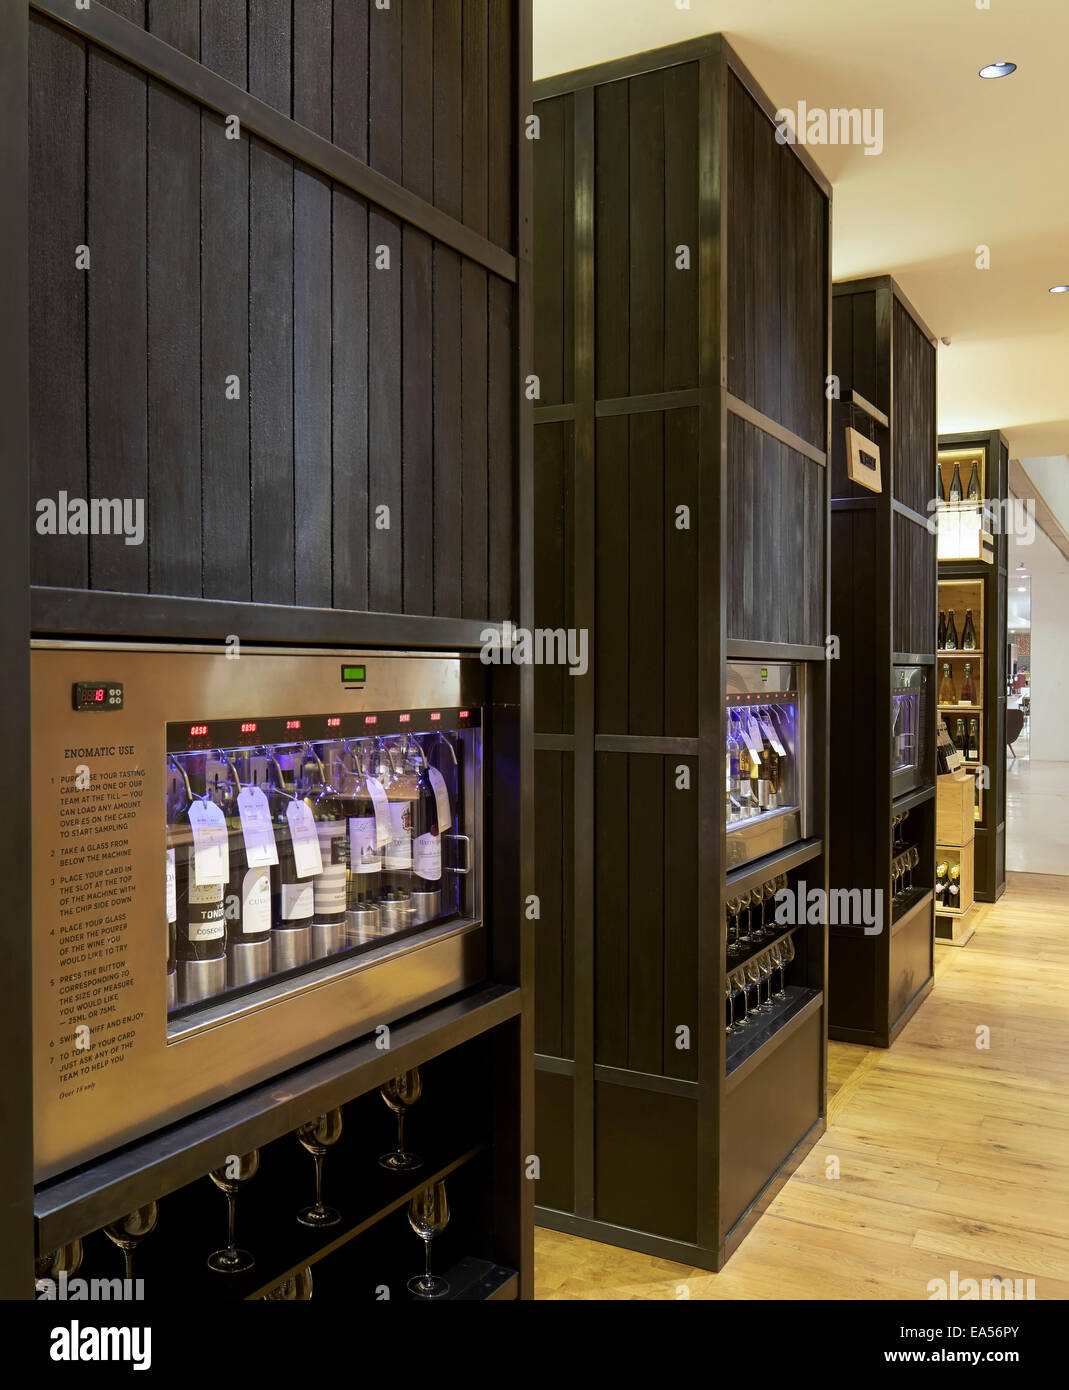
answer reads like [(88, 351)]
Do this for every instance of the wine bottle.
[(941, 640), (329, 885), (399, 782), (955, 485), (952, 633), (974, 494), (292, 898), (248, 891), (960, 738), (974, 741), (200, 936), (954, 883), (940, 880), (426, 847), (175, 807), (940, 485), (968, 690), (948, 694), (968, 633)]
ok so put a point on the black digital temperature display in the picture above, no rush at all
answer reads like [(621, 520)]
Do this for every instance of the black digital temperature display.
[(97, 695)]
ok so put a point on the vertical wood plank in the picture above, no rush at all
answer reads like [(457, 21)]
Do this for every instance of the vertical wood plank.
[(312, 69), (224, 306), (474, 440), (174, 339), (384, 88), (351, 61), (681, 226), (645, 917), (681, 574), (646, 532), (270, 53), (612, 555), (448, 111), (176, 22), (133, 10), (117, 374), (385, 556), (553, 281), (503, 588), (681, 918), (224, 40), (57, 292), (648, 249), (552, 599), (447, 434), (612, 199), (611, 909), (311, 389), (502, 133), (349, 376), (474, 102), (271, 373), (549, 877)]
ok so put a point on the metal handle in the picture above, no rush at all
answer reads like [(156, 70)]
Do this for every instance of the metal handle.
[(467, 854)]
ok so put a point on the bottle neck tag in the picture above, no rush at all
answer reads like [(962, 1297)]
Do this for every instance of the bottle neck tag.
[(172, 889), (441, 796), (773, 738), (307, 857), (381, 803), (255, 813), (753, 739), (211, 847)]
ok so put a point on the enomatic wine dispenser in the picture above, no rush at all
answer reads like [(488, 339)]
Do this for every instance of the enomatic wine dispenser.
[(241, 858)]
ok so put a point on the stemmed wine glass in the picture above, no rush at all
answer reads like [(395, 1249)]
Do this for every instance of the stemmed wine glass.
[(734, 907), (786, 953), (765, 962), (770, 889), (66, 1259), (317, 1136), (757, 899), (238, 1169), (913, 855), (130, 1230), (737, 980), (400, 1094), (753, 976), (776, 957), (428, 1215)]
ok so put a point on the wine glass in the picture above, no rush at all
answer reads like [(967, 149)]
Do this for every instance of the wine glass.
[(66, 1259), (913, 854), (769, 890), (786, 952), (776, 954), (400, 1094), (753, 977), (317, 1136), (737, 981), (757, 899), (735, 907), (238, 1169), (764, 961), (428, 1215), (130, 1230)]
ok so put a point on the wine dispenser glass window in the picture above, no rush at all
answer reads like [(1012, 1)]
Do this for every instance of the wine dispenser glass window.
[(909, 727), (766, 784), (292, 842)]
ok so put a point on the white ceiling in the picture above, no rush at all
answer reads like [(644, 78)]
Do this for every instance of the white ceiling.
[(965, 163)]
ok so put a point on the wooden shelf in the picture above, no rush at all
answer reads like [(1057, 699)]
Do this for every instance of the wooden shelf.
[(759, 871), (952, 653), (965, 709)]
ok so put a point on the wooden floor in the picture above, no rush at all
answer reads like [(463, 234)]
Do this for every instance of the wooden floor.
[(950, 1157)]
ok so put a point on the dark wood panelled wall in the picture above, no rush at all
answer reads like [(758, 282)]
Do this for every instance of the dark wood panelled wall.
[(266, 356), (883, 612), (277, 291), (681, 347)]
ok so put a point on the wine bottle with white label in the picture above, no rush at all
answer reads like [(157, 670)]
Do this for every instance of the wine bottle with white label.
[(199, 907), (292, 897), (365, 858), (329, 885), (426, 846), (176, 804), (248, 890), (399, 781)]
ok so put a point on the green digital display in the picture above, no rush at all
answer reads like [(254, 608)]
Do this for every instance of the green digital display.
[(353, 675)]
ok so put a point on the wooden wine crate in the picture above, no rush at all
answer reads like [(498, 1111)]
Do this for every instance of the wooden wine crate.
[(954, 928), (954, 801), (962, 855)]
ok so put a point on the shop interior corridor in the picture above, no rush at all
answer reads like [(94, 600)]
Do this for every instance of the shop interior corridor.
[(951, 1156)]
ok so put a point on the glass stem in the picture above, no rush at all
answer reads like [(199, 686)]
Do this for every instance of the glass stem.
[(128, 1264), (427, 1260), (400, 1131), (319, 1181), (230, 1202)]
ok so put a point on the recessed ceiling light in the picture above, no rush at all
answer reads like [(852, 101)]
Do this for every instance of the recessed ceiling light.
[(998, 69), (1059, 289), (1022, 590)]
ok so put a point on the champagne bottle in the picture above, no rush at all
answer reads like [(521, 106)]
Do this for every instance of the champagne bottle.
[(974, 494), (292, 898), (974, 741), (955, 485), (968, 690), (329, 885), (960, 738), (952, 633), (968, 633), (941, 640), (948, 694), (954, 884), (199, 909), (940, 880)]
